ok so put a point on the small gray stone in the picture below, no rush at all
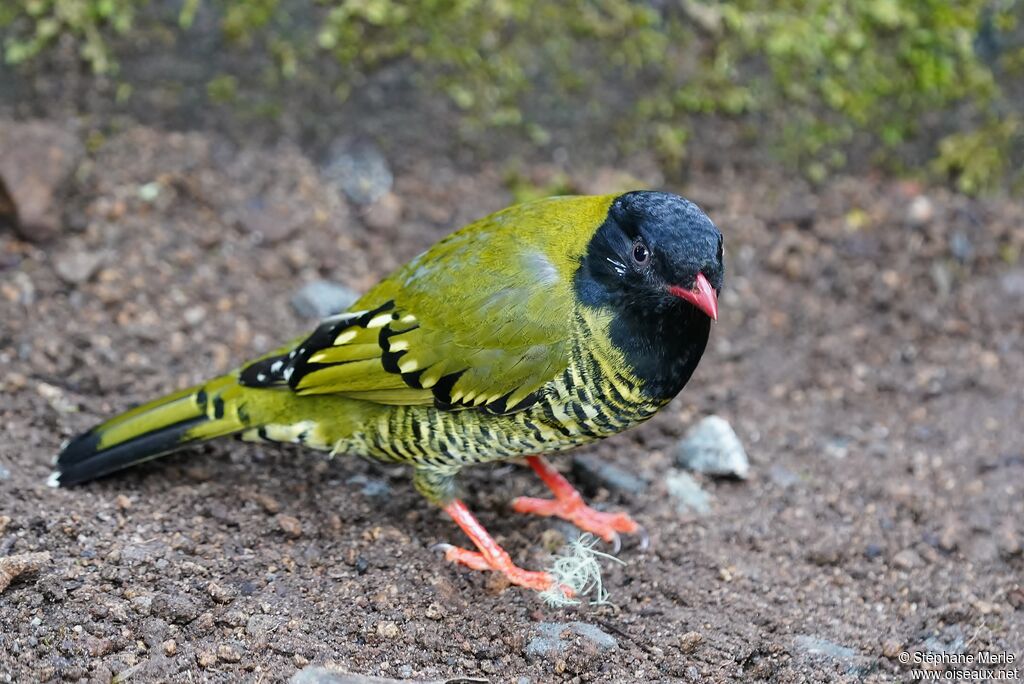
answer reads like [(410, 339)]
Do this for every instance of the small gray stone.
[(273, 222), (687, 492), (817, 648), (177, 608), (260, 626), (550, 641), (712, 447), (5, 473), (315, 674), (595, 472), (960, 247), (75, 268), (322, 298), (359, 169), (370, 486)]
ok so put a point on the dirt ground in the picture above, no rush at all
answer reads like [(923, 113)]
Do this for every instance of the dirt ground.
[(870, 354)]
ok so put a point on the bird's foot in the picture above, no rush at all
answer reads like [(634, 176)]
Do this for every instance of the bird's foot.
[(568, 504), (490, 555), (538, 581), (607, 526)]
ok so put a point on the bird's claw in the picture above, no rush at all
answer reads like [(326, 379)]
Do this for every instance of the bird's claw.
[(616, 542), (538, 581), (645, 539), (607, 526)]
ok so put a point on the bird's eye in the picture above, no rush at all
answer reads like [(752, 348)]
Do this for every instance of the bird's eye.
[(641, 255)]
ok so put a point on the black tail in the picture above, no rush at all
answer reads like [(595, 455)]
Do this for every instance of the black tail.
[(147, 432)]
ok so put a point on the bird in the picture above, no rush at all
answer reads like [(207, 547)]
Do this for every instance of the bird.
[(542, 327)]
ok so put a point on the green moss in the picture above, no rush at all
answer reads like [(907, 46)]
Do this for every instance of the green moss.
[(816, 78)]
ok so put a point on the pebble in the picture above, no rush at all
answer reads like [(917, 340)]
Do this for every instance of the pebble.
[(687, 493), (906, 559), (322, 298), (689, 642), (229, 653), (920, 211), (817, 648), (290, 525), (385, 213), (219, 593), (370, 486), (13, 566), (712, 447), (387, 629), (267, 502), (77, 267), (37, 161), (359, 169), (178, 608), (550, 642), (5, 474), (594, 472), (317, 674), (272, 223), (170, 647), (260, 626)]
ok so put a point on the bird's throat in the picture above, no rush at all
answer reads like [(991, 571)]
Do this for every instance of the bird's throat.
[(662, 349)]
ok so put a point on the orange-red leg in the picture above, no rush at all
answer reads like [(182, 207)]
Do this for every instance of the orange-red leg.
[(490, 555), (568, 504)]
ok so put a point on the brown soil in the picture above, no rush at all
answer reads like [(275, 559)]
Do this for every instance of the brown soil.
[(872, 366)]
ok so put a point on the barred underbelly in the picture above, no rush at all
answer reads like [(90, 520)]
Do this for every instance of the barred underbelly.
[(588, 402)]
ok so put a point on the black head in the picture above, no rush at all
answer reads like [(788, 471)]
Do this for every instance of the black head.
[(652, 253), (656, 265)]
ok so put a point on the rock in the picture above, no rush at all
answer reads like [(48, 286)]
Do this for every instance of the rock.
[(77, 267), (219, 593), (388, 629), (267, 502), (20, 564), (260, 626), (359, 169), (1012, 282), (782, 476), (554, 638), (594, 472), (920, 211), (322, 298), (712, 447), (325, 675), (950, 639), (689, 642), (273, 222), (177, 608), (36, 161), (229, 653), (796, 209), (290, 525), (385, 213), (371, 486), (5, 474), (817, 648), (906, 559), (960, 247), (687, 492)]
